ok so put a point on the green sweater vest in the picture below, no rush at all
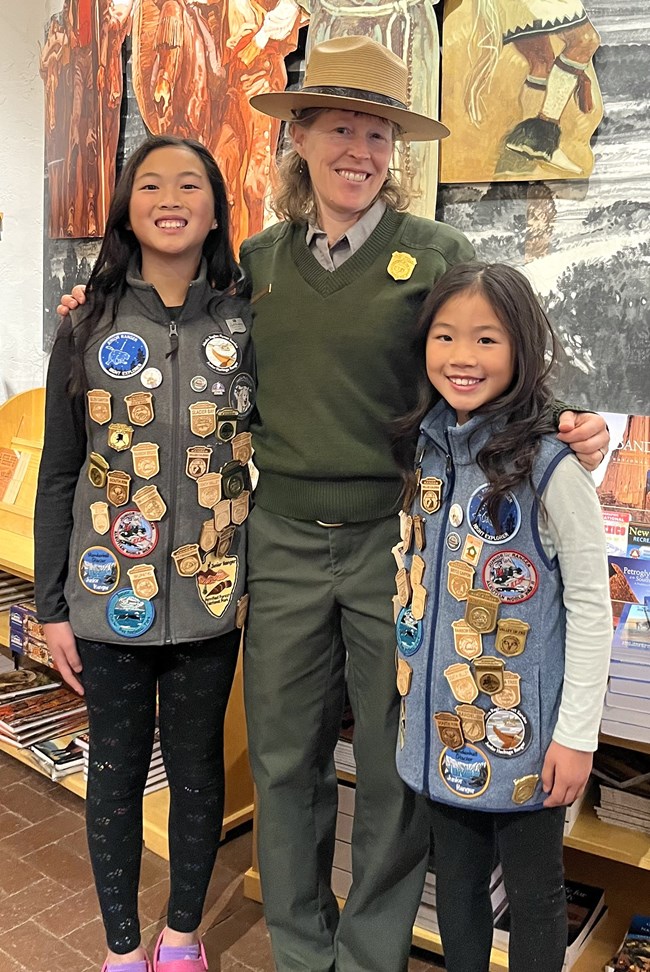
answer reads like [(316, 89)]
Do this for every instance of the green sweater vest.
[(335, 364)]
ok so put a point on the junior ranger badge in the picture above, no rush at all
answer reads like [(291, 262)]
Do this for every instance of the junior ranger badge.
[(150, 502), (406, 526), (97, 470), (203, 418), (118, 487), (120, 436), (198, 461), (139, 406), (404, 676), (510, 695), (224, 542), (209, 490), (208, 538), (233, 482), (239, 507), (430, 494), (99, 405), (473, 721), (143, 581), (187, 559), (221, 515), (481, 610), (418, 601), (511, 636), (524, 788), (242, 449), (241, 610), (418, 566), (226, 424), (216, 582), (459, 579), (461, 682), (401, 265), (403, 586), (418, 530), (100, 517), (449, 729), (467, 642), (146, 462), (397, 552), (489, 674)]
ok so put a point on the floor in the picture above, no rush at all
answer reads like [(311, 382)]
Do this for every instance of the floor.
[(48, 909)]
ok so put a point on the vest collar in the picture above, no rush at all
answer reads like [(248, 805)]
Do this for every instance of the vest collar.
[(150, 303), (462, 441)]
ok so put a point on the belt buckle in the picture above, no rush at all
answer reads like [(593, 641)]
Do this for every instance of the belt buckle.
[(321, 523)]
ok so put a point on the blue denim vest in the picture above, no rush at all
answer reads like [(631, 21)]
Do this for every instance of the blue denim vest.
[(481, 665)]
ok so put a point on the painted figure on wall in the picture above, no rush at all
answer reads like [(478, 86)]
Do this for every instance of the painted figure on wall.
[(195, 64), (114, 27), (409, 28), (54, 69), (531, 101)]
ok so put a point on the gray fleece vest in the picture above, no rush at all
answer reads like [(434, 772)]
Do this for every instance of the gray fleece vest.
[(481, 662), (167, 399)]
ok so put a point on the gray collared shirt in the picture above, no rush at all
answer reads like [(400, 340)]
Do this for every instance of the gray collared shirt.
[(331, 257)]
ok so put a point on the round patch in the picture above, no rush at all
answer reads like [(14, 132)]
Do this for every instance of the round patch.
[(129, 615), (409, 632), (508, 518), (242, 394), (466, 772), (198, 383), (133, 535), (151, 377), (511, 576), (507, 732), (453, 541), (456, 514), (218, 388), (123, 355), (221, 352), (99, 571)]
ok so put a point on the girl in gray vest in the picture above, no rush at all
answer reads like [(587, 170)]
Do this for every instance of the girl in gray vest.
[(139, 529), (502, 616)]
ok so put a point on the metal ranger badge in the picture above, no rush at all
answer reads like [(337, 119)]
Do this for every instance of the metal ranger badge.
[(197, 463), (139, 406), (120, 436), (511, 636), (481, 610), (467, 642), (143, 581), (146, 463), (97, 470), (150, 502), (459, 579), (118, 487), (401, 265), (430, 494), (489, 674), (461, 682), (473, 721), (99, 405), (449, 729)]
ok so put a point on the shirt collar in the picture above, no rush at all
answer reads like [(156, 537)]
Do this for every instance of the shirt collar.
[(358, 233)]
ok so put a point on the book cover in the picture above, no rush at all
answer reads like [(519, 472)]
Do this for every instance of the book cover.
[(631, 641), (623, 478), (25, 682), (634, 687), (634, 953), (8, 465), (616, 700)]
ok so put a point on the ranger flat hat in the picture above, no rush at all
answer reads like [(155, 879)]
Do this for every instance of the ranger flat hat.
[(354, 74)]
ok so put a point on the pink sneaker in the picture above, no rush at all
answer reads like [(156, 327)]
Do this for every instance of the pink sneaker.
[(181, 965)]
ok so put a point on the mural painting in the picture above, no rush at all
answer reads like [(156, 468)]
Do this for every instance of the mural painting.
[(520, 93)]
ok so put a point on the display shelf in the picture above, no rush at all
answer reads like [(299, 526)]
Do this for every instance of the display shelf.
[(593, 836)]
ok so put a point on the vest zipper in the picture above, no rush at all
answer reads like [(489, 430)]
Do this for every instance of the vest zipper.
[(448, 490), (171, 500)]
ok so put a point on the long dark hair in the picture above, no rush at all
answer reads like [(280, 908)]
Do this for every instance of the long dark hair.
[(108, 277), (507, 458)]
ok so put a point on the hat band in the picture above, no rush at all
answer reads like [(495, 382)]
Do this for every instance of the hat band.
[(360, 94)]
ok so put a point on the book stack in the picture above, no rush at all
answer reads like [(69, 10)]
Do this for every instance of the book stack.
[(156, 777), (586, 908), (58, 757), (622, 489), (26, 682), (13, 589), (29, 719), (343, 752), (26, 635), (342, 870), (634, 953), (624, 778)]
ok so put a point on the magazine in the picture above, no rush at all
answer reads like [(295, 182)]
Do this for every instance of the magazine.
[(634, 953), (24, 681)]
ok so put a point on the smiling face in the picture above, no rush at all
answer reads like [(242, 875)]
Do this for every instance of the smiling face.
[(171, 209), (469, 354), (348, 155)]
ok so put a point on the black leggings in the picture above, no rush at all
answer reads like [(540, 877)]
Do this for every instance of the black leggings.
[(467, 844), (193, 682)]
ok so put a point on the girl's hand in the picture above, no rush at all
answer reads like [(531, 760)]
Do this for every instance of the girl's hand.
[(565, 774), (586, 433), (78, 297), (62, 645)]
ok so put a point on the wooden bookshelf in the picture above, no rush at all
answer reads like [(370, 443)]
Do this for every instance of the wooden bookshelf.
[(21, 427)]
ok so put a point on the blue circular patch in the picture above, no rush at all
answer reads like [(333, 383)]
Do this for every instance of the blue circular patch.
[(466, 772), (128, 615), (409, 632), (123, 355), (242, 394), (99, 571), (508, 517)]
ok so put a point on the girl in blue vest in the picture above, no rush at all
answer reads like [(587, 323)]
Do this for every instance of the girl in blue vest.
[(503, 616), (139, 529)]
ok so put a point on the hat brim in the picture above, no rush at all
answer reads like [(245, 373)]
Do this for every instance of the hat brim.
[(284, 104)]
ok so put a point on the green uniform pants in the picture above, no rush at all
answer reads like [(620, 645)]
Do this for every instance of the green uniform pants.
[(319, 595)]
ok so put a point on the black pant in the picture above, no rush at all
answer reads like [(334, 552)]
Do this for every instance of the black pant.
[(467, 845), (193, 682)]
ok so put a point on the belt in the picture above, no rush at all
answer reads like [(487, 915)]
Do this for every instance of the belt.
[(321, 523)]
